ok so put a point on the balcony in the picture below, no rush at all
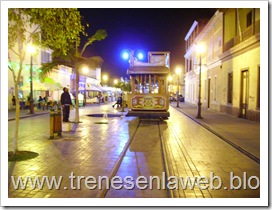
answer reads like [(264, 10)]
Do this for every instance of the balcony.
[(249, 32)]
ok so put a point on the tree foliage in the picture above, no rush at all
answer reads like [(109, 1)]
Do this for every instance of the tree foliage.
[(55, 28), (73, 57), (124, 86)]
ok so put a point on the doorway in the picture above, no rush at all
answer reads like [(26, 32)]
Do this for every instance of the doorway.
[(244, 94), (209, 93)]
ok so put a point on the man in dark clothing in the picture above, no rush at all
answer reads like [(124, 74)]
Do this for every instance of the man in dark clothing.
[(65, 103)]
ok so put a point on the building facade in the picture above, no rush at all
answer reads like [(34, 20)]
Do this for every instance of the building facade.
[(241, 63), (51, 87), (230, 66), (209, 35)]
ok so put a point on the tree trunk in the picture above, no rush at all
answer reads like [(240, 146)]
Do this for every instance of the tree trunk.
[(17, 118), (77, 102)]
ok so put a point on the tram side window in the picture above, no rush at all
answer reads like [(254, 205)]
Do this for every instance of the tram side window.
[(161, 85)]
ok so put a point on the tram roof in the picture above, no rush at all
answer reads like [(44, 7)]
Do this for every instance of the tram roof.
[(148, 70)]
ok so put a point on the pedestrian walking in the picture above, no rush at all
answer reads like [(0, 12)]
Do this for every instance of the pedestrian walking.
[(65, 103), (99, 96), (118, 102)]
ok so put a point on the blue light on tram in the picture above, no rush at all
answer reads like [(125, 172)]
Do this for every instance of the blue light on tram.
[(125, 55), (140, 56)]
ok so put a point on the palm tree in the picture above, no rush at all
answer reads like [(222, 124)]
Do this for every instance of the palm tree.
[(75, 59)]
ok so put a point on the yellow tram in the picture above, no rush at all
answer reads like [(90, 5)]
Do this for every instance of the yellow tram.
[(149, 97)]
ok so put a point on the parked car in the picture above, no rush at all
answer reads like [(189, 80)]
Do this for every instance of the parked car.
[(181, 98)]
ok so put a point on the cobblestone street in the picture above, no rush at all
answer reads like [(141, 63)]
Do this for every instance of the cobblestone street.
[(93, 148)]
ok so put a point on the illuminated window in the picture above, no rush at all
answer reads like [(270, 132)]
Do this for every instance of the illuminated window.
[(45, 57)]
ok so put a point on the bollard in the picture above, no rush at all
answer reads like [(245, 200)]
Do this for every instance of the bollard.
[(55, 122), (52, 115)]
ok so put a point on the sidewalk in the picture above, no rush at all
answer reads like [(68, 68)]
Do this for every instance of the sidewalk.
[(25, 113), (243, 134), (93, 148)]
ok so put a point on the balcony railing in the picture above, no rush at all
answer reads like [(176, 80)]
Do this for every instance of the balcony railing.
[(250, 31), (154, 59)]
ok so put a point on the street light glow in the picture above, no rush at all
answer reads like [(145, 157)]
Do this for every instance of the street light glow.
[(85, 69), (178, 70), (170, 78), (200, 48), (31, 49), (105, 77), (115, 81)]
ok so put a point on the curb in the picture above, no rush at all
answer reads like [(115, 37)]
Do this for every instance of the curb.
[(248, 154), (27, 116)]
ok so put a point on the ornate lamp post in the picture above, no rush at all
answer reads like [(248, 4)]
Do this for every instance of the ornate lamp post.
[(170, 79), (31, 49), (200, 48), (178, 71)]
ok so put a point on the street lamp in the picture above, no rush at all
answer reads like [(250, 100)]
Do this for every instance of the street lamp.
[(105, 78), (170, 79), (115, 81), (178, 71), (85, 70), (31, 49), (200, 48)]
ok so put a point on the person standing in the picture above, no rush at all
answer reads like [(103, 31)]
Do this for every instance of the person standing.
[(13, 101), (40, 104), (65, 103)]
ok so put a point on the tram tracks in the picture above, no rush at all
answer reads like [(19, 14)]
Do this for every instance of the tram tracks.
[(149, 160), (227, 140)]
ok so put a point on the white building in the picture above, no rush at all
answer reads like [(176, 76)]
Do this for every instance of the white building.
[(241, 63), (52, 87), (230, 65), (210, 35)]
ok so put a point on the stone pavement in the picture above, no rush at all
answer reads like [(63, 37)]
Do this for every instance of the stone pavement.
[(25, 113), (240, 133), (92, 148)]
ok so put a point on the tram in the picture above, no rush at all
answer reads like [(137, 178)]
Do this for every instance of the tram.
[(149, 97)]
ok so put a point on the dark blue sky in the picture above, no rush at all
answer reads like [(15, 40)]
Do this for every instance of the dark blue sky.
[(146, 29)]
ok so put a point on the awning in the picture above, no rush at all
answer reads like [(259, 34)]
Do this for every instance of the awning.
[(52, 85), (35, 85), (93, 87)]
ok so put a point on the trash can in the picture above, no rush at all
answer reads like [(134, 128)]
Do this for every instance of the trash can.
[(55, 122)]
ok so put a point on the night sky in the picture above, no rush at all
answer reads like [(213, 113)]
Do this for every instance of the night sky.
[(144, 29)]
